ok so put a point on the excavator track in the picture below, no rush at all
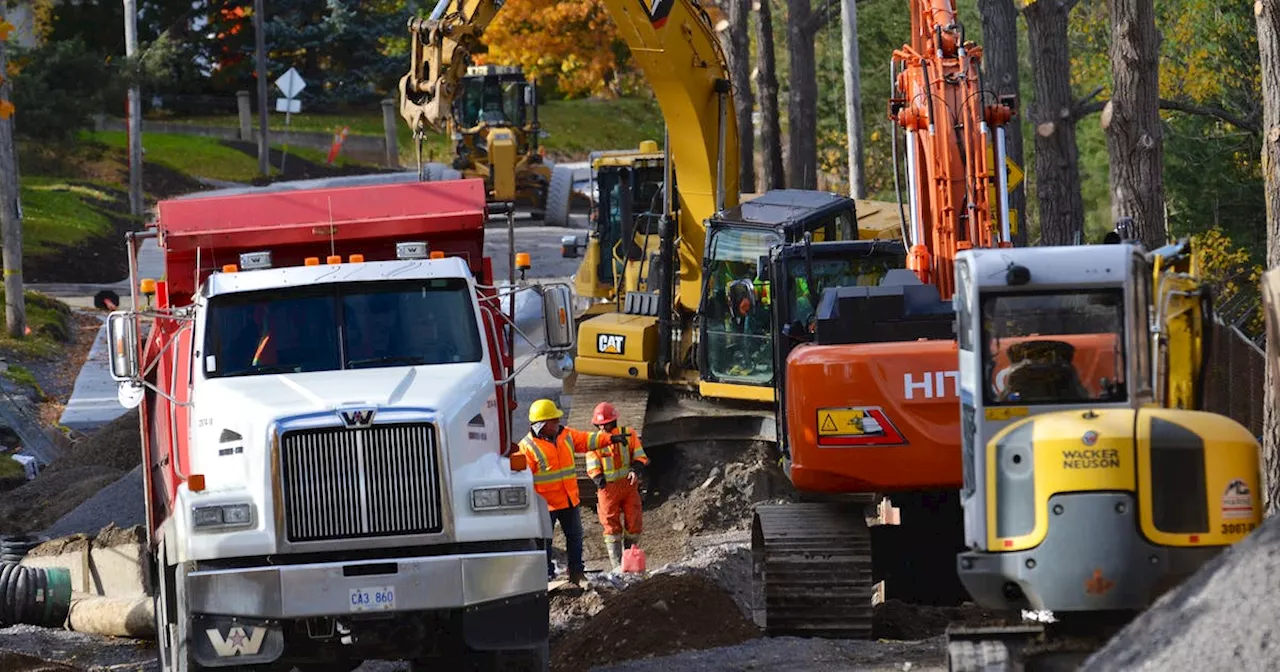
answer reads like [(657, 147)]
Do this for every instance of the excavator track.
[(811, 569)]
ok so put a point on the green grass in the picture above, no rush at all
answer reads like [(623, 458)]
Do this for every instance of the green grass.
[(22, 376), (58, 212), (49, 322), (574, 127), (205, 157)]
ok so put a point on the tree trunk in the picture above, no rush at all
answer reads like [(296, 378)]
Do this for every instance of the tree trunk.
[(743, 101), (1268, 15), (1000, 75), (15, 306), (802, 104), (853, 98), (1054, 116), (1132, 120), (771, 130)]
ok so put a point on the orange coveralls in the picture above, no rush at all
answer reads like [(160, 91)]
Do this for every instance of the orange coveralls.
[(619, 499)]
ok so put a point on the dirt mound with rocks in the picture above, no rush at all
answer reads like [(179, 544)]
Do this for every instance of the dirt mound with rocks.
[(93, 463), (660, 616), (1225, 617)]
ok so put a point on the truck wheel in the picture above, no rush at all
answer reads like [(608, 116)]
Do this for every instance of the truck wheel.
[(559, 196)]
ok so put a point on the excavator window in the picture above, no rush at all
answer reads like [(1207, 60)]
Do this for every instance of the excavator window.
[(345, 326), (738, 312), (848, 271), (1054, 347)]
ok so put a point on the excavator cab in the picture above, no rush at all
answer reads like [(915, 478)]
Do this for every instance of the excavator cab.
[(618, 253), (1081, 493)]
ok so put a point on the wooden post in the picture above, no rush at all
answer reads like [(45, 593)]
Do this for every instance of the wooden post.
[(260, 49), (853, 97), (245, 110), (135, 110), (389, 128), (15, 309)]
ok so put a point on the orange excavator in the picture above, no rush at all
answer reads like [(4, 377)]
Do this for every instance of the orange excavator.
[(868, 381)]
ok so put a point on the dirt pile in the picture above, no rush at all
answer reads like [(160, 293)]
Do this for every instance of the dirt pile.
[(92, 463), (1225, 617), (663, 615)]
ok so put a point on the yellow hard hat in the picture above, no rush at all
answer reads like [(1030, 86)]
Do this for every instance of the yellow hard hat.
[(543, 409)]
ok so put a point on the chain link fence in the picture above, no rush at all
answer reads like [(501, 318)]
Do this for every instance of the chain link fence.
[(1237, 373)]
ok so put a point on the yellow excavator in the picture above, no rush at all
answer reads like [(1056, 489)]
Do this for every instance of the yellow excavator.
[(692, 321), (1093, 479)]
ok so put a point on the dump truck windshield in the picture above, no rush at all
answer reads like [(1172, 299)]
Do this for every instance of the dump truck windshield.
[(1054, 348), (346, 326)]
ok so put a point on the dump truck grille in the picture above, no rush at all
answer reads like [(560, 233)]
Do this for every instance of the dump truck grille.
[(355, 483)]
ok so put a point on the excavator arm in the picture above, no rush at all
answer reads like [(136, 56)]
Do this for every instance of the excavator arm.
[(675, 46), (940, 101)]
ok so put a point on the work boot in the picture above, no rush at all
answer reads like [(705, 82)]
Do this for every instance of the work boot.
[(615, 552)]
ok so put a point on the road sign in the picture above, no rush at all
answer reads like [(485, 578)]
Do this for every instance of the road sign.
[(1015, 174), (287, 105), (291, 84)]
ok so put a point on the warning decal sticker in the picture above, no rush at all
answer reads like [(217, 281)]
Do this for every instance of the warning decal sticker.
[(856, 426)]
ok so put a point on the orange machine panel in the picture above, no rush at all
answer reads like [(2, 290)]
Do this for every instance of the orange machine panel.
[(885, 417), (874, 417)]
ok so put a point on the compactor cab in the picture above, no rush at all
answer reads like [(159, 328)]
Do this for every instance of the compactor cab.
[(1081, 494)]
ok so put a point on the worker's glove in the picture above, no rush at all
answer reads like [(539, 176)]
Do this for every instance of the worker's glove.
[(599, 481), (637, 468), (619, 439)]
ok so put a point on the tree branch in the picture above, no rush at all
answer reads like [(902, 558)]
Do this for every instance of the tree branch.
[(1085, 108), (1087, 105)]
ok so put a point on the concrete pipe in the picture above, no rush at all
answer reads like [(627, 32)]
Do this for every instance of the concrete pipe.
[(113, 616)]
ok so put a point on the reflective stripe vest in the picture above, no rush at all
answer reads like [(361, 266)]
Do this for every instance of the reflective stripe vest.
[(614, 460), (552, 464)]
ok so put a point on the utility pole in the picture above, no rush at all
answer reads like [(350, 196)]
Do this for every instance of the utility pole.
[(260, 47), (135, 109), (15, 309), (853, 97)]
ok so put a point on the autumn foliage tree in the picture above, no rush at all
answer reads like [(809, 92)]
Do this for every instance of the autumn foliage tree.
[(575, 43)]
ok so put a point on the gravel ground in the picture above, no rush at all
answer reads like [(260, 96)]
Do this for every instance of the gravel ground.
[(120, 503), (1225, 617), (89, 652), (792, 654)]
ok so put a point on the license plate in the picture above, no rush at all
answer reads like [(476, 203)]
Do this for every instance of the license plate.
[(373, 599)]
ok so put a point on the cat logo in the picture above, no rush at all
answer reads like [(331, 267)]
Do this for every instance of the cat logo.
[(611, 344), (237, 641)]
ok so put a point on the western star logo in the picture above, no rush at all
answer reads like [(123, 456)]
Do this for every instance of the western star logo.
[(611, 344), (357, 418), (237, 641)]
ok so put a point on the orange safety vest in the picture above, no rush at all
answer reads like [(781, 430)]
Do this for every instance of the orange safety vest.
[(613, 460), (554, 472)]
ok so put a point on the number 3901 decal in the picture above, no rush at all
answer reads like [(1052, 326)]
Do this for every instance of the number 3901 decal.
[(1237, 528)]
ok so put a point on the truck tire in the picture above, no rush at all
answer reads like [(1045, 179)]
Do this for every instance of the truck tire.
[(559, 196)]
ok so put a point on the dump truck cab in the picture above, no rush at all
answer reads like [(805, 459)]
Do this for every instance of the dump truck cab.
[(329, 462)]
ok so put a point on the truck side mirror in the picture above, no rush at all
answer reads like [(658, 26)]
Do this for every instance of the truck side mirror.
[(122, 337), (557, 312)]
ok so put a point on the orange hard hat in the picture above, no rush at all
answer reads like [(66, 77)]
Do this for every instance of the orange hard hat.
[(604, 414)]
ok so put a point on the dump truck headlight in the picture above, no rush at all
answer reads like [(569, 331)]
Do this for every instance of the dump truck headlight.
[(222, 516), (486, 499)]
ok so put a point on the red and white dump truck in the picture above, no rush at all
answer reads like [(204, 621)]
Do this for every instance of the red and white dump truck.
[(324, 378)]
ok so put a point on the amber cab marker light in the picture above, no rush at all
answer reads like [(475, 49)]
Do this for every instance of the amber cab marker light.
[(437, 254), (312, 261), (518, 462), (522, 261), (357, 258), (147, 286), (229, 268), (333, 259), (195, 482)]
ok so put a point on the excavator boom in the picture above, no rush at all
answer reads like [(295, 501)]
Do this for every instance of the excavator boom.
[(674, 44)]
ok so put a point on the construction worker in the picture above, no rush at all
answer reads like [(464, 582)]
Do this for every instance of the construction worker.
[(549, 449), (616, 468)]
